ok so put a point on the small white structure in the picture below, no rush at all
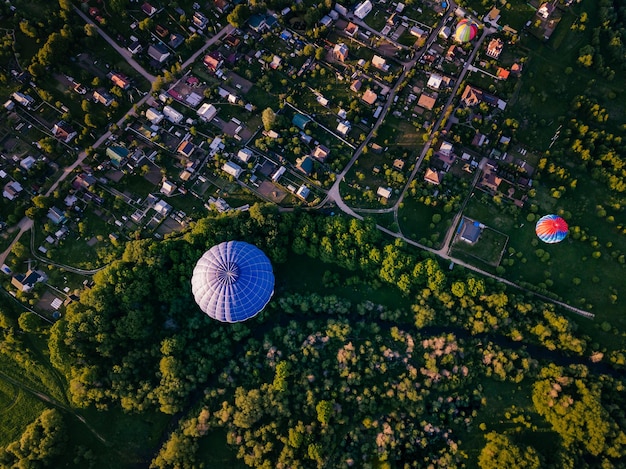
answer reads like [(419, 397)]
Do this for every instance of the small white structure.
[(279, 172), (207, 112), (434, 81), (343, 128), (232, 168), (363, 9), (444, 32), (380, 63), (244, 154), (154, 116), (162, 208), (168, 188), (384, 192), (172, 115), (9, 105), (28, 162)]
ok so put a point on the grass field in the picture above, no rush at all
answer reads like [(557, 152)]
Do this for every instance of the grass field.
[(488, 249)]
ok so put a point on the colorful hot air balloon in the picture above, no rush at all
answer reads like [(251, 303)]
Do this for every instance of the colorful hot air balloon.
[(551, 229), (465, 31), (232, 281)]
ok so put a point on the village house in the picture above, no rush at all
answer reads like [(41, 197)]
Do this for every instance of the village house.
[(305, 164), (26, 282), (213, 61), (433, 176), (380, 63), (56, 215), (369, 97), (63, 131), (232, 169), (12, 189), (158, 53), (470, 231), (168, 188), (340, 52), (186, 148), (427, 102), (363, 9), (207, 112), (384, 192), (120, 81), (303, 192), (176, 40), (244, 155), (502, 73), (135, 47), (103, 97), (343, 128), (83, 181), (545, 10), (351, 29), (117, 155), (320, 153), (434, 81), (154, 116), (494, 48), (490, 180), (356, 85), (28, 162), (148, 9)]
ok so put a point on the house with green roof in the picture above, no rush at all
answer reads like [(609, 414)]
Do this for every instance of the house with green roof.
[(117, 155), (300, 121)]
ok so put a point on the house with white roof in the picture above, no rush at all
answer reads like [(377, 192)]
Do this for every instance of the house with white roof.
[(232, 168)]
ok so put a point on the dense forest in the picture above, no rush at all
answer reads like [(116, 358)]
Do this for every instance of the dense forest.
[(321, 381)]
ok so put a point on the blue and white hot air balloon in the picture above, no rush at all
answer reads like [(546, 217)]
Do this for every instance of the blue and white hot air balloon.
[(233, 281)]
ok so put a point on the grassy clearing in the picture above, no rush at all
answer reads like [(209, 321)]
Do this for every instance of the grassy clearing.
[(488, 248), (18, 408), (416, 222), (214, 452)]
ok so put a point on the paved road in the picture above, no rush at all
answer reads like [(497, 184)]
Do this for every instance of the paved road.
[(26, 223)]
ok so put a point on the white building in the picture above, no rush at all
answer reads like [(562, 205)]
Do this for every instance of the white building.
[(244, 154), (343, 128), (384, 192), (434, 81), (207, 112), (380, 63), (172, 115), (168, 187), (154, 116), (163, 208), (28, 162), (233, 169), (363, 9), (276, 176)]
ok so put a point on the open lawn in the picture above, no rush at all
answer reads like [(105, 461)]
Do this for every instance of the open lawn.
[(552, 78), (488, 249), (416, 222), (569, 269)]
